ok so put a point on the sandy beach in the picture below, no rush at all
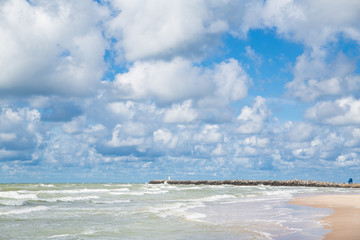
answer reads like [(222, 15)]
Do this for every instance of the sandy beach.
[(344, 223)]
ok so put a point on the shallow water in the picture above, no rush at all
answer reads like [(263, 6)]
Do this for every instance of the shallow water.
[(144, 211)]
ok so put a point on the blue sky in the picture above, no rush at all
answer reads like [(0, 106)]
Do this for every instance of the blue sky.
[(129, 91)]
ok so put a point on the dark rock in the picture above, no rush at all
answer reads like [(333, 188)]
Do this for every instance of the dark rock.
[(291, 183)]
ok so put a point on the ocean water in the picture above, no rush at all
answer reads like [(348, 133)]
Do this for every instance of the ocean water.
[(145, 211)]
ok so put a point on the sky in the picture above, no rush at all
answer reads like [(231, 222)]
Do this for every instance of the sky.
[(130, 90)]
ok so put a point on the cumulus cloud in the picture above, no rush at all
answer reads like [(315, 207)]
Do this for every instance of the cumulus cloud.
[(122, 110), (48, 47), (252, 119), (344, 111), (162, 28), (351, 136), (164, 81), (319, 26), (179, 79), (19, 135), (348, 160), (174, 86), (74, 126), (165, 137), (211, 133), (255, 141), (231, 80), (121, 137), (315, 23), (183, 113), (300, 132), (316, 77)]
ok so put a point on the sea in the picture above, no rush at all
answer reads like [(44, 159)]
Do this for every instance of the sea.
[(164, 211)]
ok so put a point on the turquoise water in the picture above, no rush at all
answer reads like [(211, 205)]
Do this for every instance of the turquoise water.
[(144, 211)]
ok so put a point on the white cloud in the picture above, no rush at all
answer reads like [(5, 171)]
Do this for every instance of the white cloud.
[(179, 79), (169, 103), (125, 110), (218, 150), (7, 137), (161, 28), (352, 136), (48, 47), (231, 80), (164, 81), (166, 138), (348, 160), (209, 134), (314, 23), (316, 77), (19, 133), (317, 25), (183, 113), (252, 119), (344, 111), (255, 141), (301, 132), (120, 138), (74, 126)]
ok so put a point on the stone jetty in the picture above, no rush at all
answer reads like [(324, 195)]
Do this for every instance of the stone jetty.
[(290, 183)]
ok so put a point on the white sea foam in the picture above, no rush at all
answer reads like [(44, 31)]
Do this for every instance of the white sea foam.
[(17, 195), (214, 198), (264, 235), (178, 209), (178, 188), (125, 185), (47, 185), (121, 190), (69, 191), (195, 216), (12, 202), (68, 199), (111, 201), (88, 232), (60, 236), (139, 193), (24, 210)]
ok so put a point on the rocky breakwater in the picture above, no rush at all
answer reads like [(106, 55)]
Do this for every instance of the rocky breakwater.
[(290, 183)]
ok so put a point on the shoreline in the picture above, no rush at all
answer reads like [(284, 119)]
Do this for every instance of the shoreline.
[(289, 183), (344, 222)]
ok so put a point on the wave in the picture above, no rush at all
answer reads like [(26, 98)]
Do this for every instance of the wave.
[(121, 190), (178, 188), (80, 191), (111, 201), (140, 193), (68, 199), (76, 191), (46, 185), (60, 236), (17, 195), (24, 210), (118, 185), (12, 202), (178, 209), (215, 198)]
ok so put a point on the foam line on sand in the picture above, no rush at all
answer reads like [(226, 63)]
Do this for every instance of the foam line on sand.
[(344, 223)]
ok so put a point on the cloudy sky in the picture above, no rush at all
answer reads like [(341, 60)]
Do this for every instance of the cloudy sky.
[(130, 90)]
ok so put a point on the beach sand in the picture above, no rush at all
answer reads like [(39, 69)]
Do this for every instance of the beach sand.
[(344, 223)]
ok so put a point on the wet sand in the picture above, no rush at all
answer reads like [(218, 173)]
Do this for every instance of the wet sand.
[(344, 223)]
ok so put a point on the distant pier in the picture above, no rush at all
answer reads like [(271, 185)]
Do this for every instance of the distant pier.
[(289, 183)]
